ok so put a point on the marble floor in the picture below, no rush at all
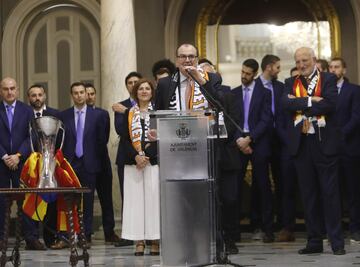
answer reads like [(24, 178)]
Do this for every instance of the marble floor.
[(251, 254)]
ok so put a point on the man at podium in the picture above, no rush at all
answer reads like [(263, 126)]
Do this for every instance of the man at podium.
[(180, 91)]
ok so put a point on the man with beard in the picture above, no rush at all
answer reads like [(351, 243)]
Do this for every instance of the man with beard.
[(254, 107), (310, 99), (282, 168), (37, 97), (348, 118)]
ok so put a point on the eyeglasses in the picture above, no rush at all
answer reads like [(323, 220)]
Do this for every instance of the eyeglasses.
[(189, 57)]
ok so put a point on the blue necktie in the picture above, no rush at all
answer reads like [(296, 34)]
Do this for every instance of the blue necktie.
[(79, 134), (246, 100), (10, 115), (269, 86)]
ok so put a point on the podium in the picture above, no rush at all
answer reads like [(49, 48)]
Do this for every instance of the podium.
[(187, 200)]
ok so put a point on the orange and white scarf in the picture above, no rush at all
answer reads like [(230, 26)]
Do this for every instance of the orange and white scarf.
[(134, 125), (300, 91), (197, 99)]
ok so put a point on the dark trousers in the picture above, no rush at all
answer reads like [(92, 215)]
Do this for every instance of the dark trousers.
[(261, 185), (229, 194), (87, 179), (318, 181), (30, 228), (120, 169), (104, 192), (287, 186), (350, 172), (50, 224)]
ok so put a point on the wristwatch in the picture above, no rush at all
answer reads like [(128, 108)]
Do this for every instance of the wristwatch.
[(141, 153)]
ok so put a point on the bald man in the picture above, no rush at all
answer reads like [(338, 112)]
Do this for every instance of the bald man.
[(14, 150), (311, 98)]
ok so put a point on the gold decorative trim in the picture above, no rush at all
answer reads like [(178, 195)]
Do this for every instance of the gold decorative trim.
[(213, 12)]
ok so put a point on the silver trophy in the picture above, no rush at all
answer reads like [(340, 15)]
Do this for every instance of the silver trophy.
[(43, 137)]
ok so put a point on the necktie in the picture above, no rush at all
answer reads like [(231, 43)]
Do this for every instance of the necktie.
[(10, 115), (269, 86), (246, 100), (188, 93), (38, 114), (79, 134)]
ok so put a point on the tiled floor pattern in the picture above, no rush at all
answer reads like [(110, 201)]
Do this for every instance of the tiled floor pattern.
[(251, 254)]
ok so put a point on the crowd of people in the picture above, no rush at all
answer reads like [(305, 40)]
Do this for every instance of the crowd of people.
[(304, 131)]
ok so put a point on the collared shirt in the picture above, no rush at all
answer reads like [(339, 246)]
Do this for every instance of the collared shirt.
[(13, 106), (251, 89), (183, 86), (41, 111), (312, 74), (269, 85), (76, 115), (339, 85)]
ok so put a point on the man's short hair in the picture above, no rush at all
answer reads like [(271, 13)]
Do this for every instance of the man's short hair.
[(87, 85), (132, 74), (292, 70), (163, 66), (251, 63), (35, 86), (76, 84), (343, 63), (267, 60), (205, 60), (324, 64)]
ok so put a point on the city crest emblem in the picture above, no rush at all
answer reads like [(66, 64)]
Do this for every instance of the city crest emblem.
[(183, 132)]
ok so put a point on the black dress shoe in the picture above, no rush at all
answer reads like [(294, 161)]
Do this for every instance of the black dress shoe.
[(124, 243), (230, 247), (112, 239), (339, 251), (308, 250), (34, 245)]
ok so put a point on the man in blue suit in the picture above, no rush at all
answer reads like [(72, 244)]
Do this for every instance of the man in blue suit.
[(85, 140), (14, 150), (119, 111), (348, 118), (282, 168), (36, 98), (104, 177), (254, 107), (313, 142)]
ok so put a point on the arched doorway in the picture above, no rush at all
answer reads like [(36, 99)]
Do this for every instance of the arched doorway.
[(54, 45)]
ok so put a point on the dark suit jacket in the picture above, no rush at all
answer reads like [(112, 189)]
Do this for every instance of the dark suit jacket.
[(119, 126), (19, 134), (348, 118), (51, 112), (229, 151), (94, 138), (130, 152), (167, 85), (260, 117), (328, 135)]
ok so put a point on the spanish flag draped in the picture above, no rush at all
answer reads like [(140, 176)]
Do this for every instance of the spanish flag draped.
[(35, 205)]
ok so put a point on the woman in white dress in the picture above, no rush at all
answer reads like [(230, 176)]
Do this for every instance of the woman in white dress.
[(141, 208)]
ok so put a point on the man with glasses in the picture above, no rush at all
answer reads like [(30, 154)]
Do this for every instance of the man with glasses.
[(180, 91)]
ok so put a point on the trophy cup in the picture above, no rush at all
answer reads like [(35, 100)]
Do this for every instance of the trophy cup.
[(44, 131)]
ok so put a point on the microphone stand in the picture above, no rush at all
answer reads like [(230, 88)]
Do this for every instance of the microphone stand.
[(221, 256)]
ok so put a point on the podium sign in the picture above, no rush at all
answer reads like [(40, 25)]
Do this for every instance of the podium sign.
[(183, 148), (186, 190)]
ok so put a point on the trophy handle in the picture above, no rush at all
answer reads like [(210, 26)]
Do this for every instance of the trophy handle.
[(62, 127), (31, 142)]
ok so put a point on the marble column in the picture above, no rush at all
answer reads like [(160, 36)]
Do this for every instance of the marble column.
[(118, 58)]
